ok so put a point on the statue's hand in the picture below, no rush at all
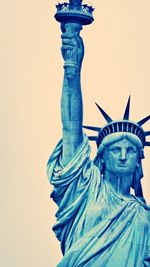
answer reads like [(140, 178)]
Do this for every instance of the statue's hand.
[(72, 49)]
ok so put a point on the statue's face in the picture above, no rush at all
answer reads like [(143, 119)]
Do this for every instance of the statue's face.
[(121, 158)]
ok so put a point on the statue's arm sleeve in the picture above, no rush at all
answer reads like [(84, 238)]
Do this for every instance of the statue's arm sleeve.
[(73, 186), (75, 174), (72, 116)]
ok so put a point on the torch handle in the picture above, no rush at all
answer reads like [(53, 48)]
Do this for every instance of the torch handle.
[(71, 62)]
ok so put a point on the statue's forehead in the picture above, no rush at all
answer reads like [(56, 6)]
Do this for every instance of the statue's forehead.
[(119, 137), (124, 142)]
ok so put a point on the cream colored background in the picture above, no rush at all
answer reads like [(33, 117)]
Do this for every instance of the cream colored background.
[(116, 64)]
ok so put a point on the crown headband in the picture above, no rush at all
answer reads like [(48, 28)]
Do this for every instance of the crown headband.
[(123, 125)]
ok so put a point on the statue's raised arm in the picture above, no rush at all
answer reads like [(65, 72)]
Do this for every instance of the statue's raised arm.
[(72, 16), (71, 102)]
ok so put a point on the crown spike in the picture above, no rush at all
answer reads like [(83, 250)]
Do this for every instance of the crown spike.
[(141, 122), (147, 133), (146, 143), (97, 129), (92, 138), (127, 110), (105, 115)]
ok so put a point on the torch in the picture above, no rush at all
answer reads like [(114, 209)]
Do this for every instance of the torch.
[(72, 16)]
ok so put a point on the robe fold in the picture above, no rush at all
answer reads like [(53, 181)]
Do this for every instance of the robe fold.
[(95, 226)]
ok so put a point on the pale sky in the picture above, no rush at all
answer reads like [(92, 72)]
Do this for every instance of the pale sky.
[(116, 65)]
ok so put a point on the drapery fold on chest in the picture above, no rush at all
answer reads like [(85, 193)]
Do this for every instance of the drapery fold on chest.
[(72, 185), (119, 240)]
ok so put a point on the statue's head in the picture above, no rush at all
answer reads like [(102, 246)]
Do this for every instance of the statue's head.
[(120, 154)]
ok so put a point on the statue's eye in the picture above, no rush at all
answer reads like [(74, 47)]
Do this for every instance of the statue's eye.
[(131, 150), (115, 150)]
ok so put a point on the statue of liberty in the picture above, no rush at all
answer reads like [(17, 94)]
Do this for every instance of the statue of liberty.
[(99, 222)]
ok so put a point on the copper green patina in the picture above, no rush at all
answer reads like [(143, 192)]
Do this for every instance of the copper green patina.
[(99, 222)]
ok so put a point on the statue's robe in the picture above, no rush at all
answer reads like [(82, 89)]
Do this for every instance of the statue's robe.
[(96, 227)]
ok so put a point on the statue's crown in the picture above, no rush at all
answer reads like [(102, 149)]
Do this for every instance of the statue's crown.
[(123, 125)]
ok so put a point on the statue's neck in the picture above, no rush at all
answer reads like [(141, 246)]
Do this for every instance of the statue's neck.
[(120, 184)]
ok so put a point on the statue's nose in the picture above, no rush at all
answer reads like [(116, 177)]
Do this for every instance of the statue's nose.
[(123, 154)]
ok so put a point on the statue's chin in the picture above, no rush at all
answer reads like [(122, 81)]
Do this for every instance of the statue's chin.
[(121, 171)]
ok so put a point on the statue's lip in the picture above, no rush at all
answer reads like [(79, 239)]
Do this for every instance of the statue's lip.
[(122, 165)]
